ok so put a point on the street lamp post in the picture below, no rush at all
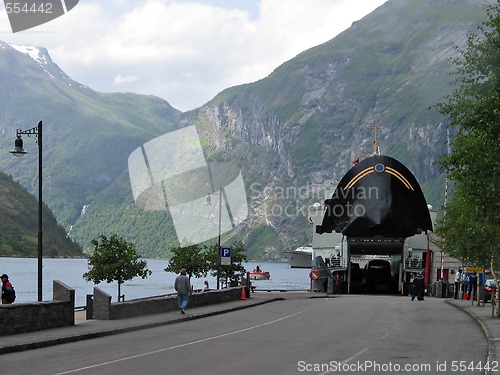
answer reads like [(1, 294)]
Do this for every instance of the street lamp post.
[(218, 242), (19, 151), (209, 203)]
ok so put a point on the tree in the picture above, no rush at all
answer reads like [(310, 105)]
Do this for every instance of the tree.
[(115, 259), (473, 213), (464, 237), (198, 261), (227, 272), (191, 258)]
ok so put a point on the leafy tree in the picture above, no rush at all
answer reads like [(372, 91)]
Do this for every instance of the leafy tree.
[(192, 258), (198, 261), (115, 259), (473, 214), (232, 271), (467, 224)]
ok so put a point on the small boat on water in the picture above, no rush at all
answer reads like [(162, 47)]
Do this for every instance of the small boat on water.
[(258, 274)]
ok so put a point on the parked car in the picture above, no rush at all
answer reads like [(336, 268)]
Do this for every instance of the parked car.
[(489, 287)]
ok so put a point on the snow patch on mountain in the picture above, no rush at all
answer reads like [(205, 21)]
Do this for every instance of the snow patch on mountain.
[(33, 52), (42, 58)]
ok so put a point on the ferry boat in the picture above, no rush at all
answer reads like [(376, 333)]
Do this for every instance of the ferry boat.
[(301, 257), (377, 209)]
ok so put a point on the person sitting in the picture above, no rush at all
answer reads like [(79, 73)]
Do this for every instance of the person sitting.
[(206, 288), (8, 292)]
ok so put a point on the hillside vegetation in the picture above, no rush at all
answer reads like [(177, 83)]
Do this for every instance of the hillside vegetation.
[(19, 225)]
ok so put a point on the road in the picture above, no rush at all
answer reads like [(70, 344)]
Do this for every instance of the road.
[(348, 334)]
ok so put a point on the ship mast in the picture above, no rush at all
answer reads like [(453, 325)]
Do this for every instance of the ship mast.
[(376, 150)]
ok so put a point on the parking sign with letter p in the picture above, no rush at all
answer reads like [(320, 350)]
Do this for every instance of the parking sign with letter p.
[(225, 256)]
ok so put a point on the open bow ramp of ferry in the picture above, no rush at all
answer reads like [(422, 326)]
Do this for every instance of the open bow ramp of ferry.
[(377, 197), (378, 209)]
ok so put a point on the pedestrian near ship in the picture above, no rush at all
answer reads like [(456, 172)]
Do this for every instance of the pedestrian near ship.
[(418, 287), (458, 281), (465, 284), (472, 286)]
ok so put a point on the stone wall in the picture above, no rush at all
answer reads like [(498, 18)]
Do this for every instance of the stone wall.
[(101, 305), (105, 310), (28, 317)]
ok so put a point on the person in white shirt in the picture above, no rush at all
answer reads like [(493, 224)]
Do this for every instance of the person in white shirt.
[(465, 283), (206, 288), (458, 279)]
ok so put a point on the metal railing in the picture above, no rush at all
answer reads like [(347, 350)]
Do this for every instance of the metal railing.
[(413, 263)]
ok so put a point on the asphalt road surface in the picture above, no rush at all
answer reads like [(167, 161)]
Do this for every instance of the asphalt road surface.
[(348, 335)]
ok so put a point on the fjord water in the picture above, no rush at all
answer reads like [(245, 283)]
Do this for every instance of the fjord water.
[(23, 273)]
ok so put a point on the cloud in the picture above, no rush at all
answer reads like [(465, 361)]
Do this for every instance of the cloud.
[(119, 79), (185, 51)]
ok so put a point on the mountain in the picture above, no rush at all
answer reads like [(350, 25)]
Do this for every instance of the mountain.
[(300, 128), (293, 134), (87, 136), (19, 225)]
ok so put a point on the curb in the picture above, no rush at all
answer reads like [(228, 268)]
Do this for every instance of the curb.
[(92, 335), (491, 350)]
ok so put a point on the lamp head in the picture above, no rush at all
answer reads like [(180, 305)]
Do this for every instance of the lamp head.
[(18, 147)]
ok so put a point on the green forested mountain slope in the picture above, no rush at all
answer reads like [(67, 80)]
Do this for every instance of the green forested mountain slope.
[(87, 137), (19, 225)]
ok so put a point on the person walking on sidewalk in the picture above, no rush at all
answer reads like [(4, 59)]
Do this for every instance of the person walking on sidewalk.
[(472, 287), (183, 289), (465, 284), (418, 287)]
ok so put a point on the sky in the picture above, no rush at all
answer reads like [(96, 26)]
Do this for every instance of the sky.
[(184, 51)]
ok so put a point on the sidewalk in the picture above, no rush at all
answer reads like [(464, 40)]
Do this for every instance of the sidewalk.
[(483, 316), (88, 329)]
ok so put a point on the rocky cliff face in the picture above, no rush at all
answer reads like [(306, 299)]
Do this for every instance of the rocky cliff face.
[(297, 132)]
